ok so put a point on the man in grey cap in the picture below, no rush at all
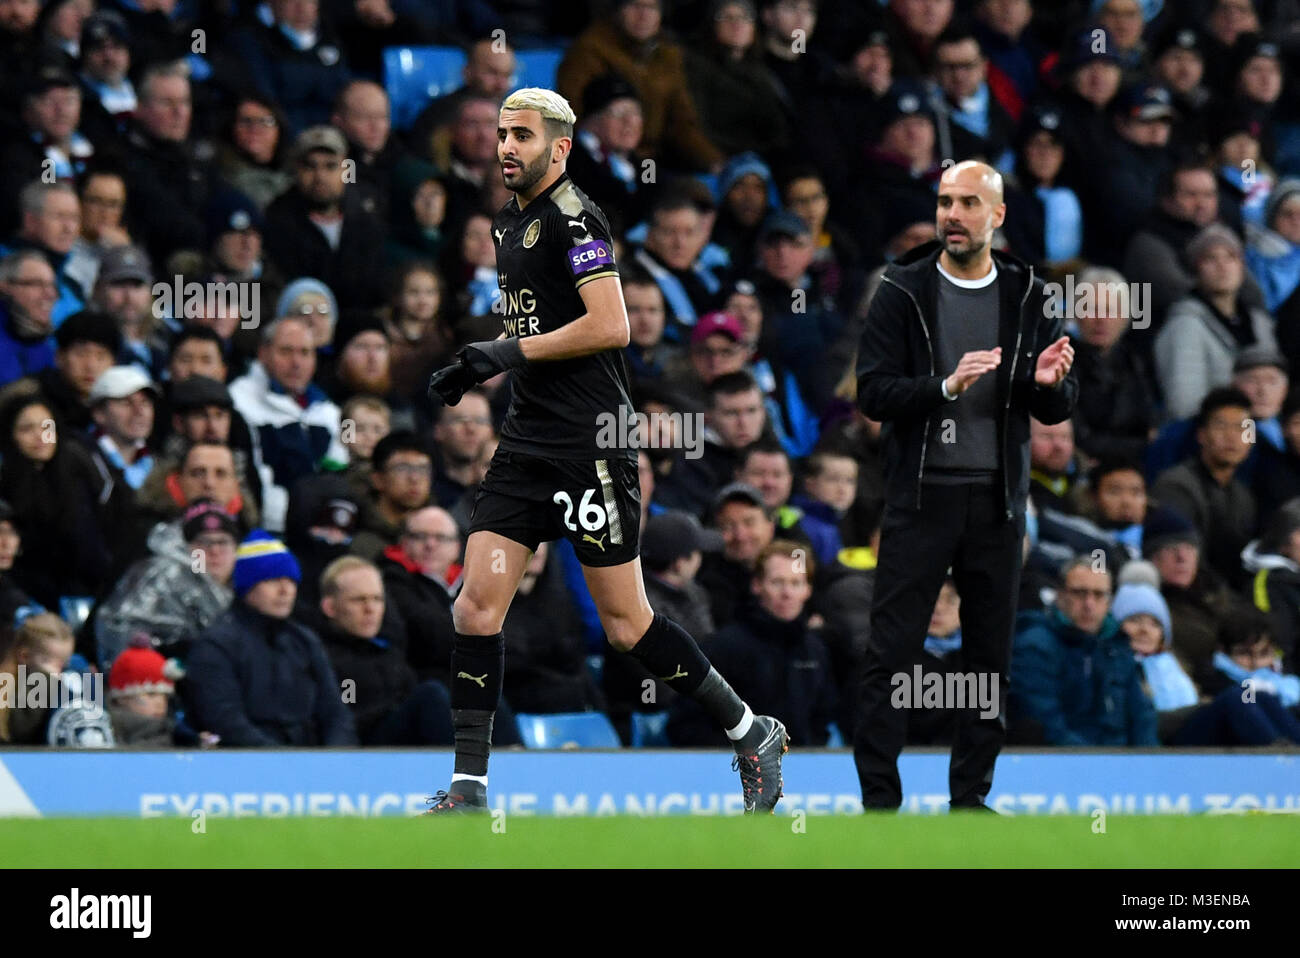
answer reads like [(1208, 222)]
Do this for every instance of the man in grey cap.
[(747, 527), (124, 290), (122, 406), (321, 227)]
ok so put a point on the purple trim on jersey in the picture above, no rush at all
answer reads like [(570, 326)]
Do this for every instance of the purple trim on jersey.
[(589, 256)]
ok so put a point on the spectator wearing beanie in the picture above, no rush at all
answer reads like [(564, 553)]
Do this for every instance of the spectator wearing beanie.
[(169, 596), (1199, 603), (1143, 614), (258, 678), (1199, 342), (140, 689), (85, 346)]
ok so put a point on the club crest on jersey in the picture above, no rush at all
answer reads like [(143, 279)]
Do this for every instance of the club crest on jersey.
[(589, 256), (530, 235)]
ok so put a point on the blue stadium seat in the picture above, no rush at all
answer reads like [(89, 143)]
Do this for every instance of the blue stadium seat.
[(537, 68), (650, 730), (568, 730), (415, 75)]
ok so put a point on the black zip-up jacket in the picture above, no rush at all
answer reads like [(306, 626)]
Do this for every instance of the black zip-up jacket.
[(900, 385)]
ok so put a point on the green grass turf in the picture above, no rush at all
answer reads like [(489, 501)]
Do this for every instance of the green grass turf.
[(860, 841)]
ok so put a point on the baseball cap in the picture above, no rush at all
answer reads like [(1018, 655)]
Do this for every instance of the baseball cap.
[(1088, 46), (106, 26), (1256, 355), (1166, 527), (782, 223), (49, 77), (205, 515), (674, 534), (1145, 101), (125, 262), (315, 138), (1182, 39), (198, 392), (341, 514), (118, 382), (232, 212), (717, 322), (905, 98), (738, 492)]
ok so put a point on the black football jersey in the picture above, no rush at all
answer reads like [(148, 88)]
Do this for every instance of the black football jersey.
[(545, 254)]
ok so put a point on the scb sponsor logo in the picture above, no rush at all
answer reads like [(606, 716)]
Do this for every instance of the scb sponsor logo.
[(588, 256)]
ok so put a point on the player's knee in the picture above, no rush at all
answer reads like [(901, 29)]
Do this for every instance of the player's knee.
[(472, 616), (623, 632)]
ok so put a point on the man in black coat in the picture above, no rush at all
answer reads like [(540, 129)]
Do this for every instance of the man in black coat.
[(956, 450), (772, 657), (319, 227), (257, 678), (368, 652)]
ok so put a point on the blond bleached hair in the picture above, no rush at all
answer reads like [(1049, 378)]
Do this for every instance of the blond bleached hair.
[(556, 113)]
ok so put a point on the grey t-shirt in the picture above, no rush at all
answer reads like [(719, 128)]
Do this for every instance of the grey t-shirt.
[(963, 443)]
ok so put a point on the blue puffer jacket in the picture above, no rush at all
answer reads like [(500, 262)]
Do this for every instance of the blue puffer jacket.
[(1082, 689)]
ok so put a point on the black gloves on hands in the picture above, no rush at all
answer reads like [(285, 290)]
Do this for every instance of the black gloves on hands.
[(475, 363)]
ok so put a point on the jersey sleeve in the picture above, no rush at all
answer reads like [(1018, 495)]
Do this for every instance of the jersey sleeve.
[(589, 249)]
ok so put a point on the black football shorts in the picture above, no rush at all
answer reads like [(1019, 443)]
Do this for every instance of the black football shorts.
[(596, 505)]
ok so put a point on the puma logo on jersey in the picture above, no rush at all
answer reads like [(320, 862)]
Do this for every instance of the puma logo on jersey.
[(473, 678), (500, 233), (680, 674), (581, 222), (596, 542)]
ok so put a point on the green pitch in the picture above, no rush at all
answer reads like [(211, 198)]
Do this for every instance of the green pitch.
[(865, 841)]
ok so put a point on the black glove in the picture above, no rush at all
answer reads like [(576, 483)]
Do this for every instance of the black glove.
[(475, 363)]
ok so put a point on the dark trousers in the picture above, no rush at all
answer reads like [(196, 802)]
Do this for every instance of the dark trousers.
[(962, 527)]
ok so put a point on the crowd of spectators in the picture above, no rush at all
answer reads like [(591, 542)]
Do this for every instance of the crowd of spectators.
[(226, 275)]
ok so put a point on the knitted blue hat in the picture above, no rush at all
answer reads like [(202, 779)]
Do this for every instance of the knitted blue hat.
[(1137, 598), (260, 557)]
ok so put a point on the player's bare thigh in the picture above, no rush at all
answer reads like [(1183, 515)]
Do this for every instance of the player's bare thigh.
[(493, 568), (619, 594)]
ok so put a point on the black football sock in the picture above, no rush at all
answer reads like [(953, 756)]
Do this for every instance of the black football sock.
[(477, 671), (670, 653)]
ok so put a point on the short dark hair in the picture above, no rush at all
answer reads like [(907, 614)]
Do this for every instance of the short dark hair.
[(731, 384), (633, 273), (671, 202), (1244, 625), (400, 440), (1168, 181), (1225, 397), (956, 33), (1110, 464), (767, 446), (195, 331)]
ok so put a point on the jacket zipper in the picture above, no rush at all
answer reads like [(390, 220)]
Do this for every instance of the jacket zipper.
[(925, 436), (1011, 384)]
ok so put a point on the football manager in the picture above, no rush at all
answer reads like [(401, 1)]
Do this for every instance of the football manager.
[(961, 346)]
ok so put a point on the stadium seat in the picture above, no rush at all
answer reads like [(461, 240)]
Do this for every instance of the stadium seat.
[(650, 730), (568, 730), (415, 75), (537, 67)]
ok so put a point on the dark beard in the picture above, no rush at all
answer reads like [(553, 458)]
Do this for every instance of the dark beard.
[(530, 175), (963, 256)]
